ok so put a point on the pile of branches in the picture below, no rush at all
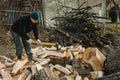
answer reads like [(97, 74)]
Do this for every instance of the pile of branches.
[(79, 26)]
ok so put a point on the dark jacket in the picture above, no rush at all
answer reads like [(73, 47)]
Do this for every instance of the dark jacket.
[(23, 25)]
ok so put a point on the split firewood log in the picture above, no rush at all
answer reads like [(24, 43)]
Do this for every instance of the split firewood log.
[(62, 69), (18, 66), (2, 65), (5, 75), (24, 75)]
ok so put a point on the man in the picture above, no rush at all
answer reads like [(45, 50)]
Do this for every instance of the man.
[(19, 29)]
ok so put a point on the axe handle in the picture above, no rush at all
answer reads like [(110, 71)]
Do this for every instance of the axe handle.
[(44, 43)]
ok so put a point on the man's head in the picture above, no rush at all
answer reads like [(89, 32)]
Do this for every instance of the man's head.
[(34, 17)]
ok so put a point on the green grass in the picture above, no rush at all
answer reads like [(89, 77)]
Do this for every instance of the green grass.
[(113, 26)]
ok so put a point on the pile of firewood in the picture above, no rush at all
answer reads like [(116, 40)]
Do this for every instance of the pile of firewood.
[(69, 63), (80, 26)]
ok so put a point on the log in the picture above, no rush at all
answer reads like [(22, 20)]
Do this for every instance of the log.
[(44, 74), (60, 60), (18, 66), (85, 78), (68, 53), (24, 75), (29, 77), (56, 73), (77, 49), (2, 65), (38, 51), (35, 50), (78, 77), (39, 67), (8, 70), (52, 53), (6, 59), (45, 61), (5, 75), (69, 67), (96, 74), (62, 69), (95, 58), (9, 64), (71, 77), (34, 69), (78, 67), (51, 48)]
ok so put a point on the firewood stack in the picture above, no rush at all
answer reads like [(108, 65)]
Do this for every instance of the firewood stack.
[(69, 63), (80, 26)]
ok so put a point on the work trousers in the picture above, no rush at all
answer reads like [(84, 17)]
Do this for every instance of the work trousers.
[(19, 47)]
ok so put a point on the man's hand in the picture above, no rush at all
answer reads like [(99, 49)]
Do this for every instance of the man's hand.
[(38, 40), (30, 41)]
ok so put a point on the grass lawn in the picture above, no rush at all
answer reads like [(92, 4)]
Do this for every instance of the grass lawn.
[(113, 26)]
